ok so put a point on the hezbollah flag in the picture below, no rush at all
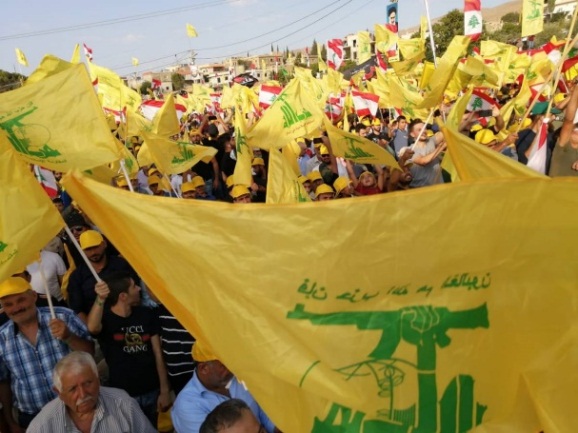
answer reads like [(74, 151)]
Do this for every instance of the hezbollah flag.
[(173, 157), (282, 183), (295, 113), (532, 17), (28, 219), (57, 122), (357, 149), (339, 334), (111, 88), (243, 152)]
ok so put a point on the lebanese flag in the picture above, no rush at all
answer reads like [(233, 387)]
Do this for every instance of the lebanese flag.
[(267, 95), (381, 62), (334, 53), (480, 101), (539, 153), (473, 19), (156, 84), (334, 106), (150, 108), (365, 103), (216, 101), (47, 181), (87, 52)]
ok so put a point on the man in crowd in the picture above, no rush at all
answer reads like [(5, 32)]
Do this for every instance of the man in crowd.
[(31, 343), (212, 383), (84, 406), (426, 169), (232, 416), (129, 337)]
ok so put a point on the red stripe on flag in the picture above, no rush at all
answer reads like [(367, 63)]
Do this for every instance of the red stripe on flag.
[(472, 5)]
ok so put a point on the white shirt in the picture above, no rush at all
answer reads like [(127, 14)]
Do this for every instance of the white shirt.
[(53, 267)]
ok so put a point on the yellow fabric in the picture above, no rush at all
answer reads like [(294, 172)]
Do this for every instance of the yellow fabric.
[(244, 153), (49, 66), (191, 31), (202, 352), (111, 88), (474, 161), (166, 122), (69, 271), (28, 219), (292, 115), (164, 422), (20, 57), (75, 58), (135, 61), (484, 334), (58, 123), (282, 183), (532, 17), (363, 47), (386, 41), (357, 149), (426, 75), (173, 157), (291, 154)]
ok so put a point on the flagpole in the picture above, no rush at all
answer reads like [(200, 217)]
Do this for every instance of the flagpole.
[(48, 295), (82, 254), (431, 34), (422, 129), (125, 173)]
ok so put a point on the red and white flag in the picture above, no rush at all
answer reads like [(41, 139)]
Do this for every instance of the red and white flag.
[(216, 102), (156, 84), (473, 18), (539, 153), (334, 106), (87, 52), (267, 95), (365, 103), (334, 53), (149, 108), (380, 60), (47, 181), (481, 101)]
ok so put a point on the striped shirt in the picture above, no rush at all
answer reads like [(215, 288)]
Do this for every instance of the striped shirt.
[(177, 344), (115, 412), (29, 368)]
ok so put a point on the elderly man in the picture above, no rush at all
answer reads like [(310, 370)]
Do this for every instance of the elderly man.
[(212, 383), (31, 343), (86, 407)]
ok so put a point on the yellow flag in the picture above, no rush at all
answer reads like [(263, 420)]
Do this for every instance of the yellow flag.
[(135, 61), (111, 88), (320, 62), (357, 149), (49, 66), (191, 31), (423, 27), (174, 157), (532, 17), (58, 123), (363, 47), (426, 75), (474, 161), (126, 157), (502, 54), (75, 58), (412, 49), (166, 122), (292, 115), (481, 338), (243, 152), (28, 219), (21, 57), (386, 42), (282, 183)]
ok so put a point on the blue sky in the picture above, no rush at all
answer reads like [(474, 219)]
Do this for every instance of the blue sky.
[(154, 32)]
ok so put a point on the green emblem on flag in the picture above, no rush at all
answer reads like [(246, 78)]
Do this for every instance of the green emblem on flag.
[(290, 116), (477, 104), (355, 152), (186, 154), (473, 22), (240, 141), (3, 246)]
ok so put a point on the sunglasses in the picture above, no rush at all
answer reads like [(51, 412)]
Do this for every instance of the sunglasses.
[(77, 228)]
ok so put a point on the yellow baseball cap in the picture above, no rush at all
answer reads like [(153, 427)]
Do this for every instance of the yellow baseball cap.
[(239, 191), (198, 181), (202, 352), (485, 136), (323, 189), (13, 286), (90, 238), (302, 179), (154, 180), (314, 175), (258, 161), (341, 183), (187, 186)]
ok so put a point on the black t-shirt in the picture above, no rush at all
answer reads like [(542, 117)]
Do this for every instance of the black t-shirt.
[(81, 294), (127, 348)]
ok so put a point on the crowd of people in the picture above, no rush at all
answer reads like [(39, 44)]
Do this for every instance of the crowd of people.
[(88, 354)]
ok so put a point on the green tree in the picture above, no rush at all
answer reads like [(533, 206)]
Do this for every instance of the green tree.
[(178, 81), (324, 52), (298, 59), (313, 50), (511, 17), (444, 30), (145, 87)]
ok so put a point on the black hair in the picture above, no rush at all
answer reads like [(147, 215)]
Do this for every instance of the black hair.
[(118, 282), (224, 416)]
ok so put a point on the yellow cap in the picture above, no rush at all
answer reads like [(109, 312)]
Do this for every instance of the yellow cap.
[(202, 352), (477, 127), (341, 183), (485, 136), (366, 122), (323, 189), (366, 173), (121, 182), (90, 238), (559, 97), (314, 175), (323, 150), (198, 181), (258, 161), (153, 180), (376, 122), (239, 190), (13, 286), (302, 179), (152, 171), (187, 186)]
